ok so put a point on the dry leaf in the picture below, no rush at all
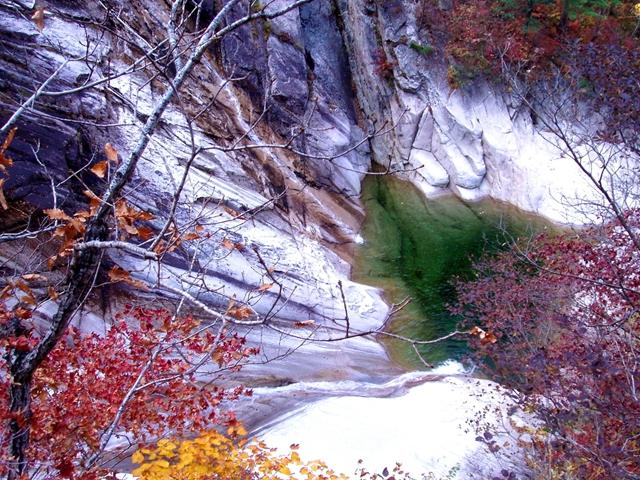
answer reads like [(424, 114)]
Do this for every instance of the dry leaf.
[(226, 243), (34, 277), (56, 214), (487, 339), (82, 214), (38, 18), (476, 331), (145, 233), (100, 169), (265, 286), (5, 161), (160, 247), (51, 263), (127, 227), (190, 236), (241, 313), (117, 274), (94, 200), (3, 200), (111, 153), (304, 323), (52, 293), (9, 139), (29, 299), (22, 286)]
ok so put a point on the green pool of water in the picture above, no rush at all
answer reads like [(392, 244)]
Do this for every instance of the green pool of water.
[(415, 247)]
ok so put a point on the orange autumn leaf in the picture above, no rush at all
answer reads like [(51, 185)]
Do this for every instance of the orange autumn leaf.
[(38, 18), (118, 274), (228, 244), (56, 214), (264, 287), (3, 200), (111, 153), (236, 430), (100, 169), (240, 313)]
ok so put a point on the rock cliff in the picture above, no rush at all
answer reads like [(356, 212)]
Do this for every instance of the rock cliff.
[(336, 82)]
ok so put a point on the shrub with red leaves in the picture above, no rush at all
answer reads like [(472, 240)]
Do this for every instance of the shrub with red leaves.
[(566, 314)]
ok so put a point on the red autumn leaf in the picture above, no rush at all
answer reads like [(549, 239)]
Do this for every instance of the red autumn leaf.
[(21, 344)]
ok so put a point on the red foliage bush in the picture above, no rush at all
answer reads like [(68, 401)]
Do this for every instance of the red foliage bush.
[(82, 384), (566, 313)]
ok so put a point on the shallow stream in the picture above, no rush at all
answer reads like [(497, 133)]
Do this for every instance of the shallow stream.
[(414, 247)]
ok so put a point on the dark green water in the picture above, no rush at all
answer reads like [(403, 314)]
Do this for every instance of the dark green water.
[(415, 247)]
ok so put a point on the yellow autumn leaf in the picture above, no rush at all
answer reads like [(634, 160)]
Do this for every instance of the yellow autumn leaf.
[(284, 470), (137, 457)]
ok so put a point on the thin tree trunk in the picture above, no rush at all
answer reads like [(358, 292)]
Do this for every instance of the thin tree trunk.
[(20, 408)]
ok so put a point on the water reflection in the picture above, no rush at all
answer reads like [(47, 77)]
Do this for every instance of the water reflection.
[(416, 247)]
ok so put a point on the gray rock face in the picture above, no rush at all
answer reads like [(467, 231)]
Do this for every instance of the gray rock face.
[(471, 134), (320, 79), (288, 210)]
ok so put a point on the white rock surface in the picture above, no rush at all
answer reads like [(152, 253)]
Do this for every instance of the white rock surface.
[(427, 428), (432, 171)]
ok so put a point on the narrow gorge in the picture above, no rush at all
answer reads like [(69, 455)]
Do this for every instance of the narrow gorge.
[(317, 169)]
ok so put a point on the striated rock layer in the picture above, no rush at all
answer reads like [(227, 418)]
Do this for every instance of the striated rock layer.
[(472, 141), (268, 83)]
